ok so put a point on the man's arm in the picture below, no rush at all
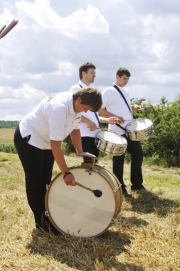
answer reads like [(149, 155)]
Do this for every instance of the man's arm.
[(60, 160), (103, 112), (90, 124), (76, 140), (111, 120)]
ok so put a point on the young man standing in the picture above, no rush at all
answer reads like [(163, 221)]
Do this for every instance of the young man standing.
[(115, 105), (90, 121)]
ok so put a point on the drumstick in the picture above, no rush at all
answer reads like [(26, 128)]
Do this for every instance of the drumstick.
[(97, 192), (98, 128)]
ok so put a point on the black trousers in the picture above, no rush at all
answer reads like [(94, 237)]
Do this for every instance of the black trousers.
[(38, 166), (135, 149), (89, 146)]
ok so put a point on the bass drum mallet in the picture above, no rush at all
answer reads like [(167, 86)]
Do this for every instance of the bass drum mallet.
[(97, 193)]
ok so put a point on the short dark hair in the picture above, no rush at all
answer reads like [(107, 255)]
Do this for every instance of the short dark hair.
[(85, 67), (123, 71), (89, 96)]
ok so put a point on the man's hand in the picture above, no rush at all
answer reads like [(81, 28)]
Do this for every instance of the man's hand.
[(103, 112), (91, 125), (137, 107), (70, 180), (114, 120)]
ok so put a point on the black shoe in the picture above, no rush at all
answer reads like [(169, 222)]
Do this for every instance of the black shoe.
[(141, 188), (47, 226), (125, 192)]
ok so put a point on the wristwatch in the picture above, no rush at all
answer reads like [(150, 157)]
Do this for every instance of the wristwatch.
[(66, 173)]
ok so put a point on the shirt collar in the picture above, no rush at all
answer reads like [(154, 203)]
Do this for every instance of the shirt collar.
[(82, 84), (121, 88)]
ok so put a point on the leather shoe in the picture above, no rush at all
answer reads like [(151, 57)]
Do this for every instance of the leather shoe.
[(47, 226), (125, 192), (141, 188)]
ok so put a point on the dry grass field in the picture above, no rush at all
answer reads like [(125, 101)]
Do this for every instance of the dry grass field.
[(144, 237), (6, 136)]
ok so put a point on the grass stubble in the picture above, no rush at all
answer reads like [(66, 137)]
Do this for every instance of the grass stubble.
[(145, 236)]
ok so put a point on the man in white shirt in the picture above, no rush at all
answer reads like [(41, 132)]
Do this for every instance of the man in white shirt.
[(39, 136), (90, 121), (115, 105)]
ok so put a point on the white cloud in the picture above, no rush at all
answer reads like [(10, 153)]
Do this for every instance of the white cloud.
[(159, 50), (79, 22), (41, 55), (20, 100), (6, 17)]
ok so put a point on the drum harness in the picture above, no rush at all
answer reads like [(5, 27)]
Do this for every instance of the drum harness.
[(120, 92)]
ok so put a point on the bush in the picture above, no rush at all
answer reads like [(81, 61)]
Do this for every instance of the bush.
[(67, 146), (10, 148)]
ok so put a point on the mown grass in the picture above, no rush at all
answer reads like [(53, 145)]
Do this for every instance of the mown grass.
[(6, 136), (144, 237)]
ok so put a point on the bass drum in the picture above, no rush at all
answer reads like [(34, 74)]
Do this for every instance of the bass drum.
[(76, 211)]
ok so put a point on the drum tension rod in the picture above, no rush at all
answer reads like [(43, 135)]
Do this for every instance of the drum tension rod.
[(92, 168), (115, 190), (93, 164), (46, 213), (47, 186)]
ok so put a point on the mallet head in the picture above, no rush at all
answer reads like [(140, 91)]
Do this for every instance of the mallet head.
[(97, 193)]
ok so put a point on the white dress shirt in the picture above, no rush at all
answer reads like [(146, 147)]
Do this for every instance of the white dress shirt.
[(114, 103), (53, 118), (85, 131)]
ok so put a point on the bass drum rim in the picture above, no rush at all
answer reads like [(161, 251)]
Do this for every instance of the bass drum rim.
[(114, 184)]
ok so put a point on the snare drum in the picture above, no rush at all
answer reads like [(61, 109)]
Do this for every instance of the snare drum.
[(111, 143), (76, 211), (139, 129)]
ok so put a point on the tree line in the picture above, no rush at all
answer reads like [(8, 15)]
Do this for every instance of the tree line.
[(163, 148), (8, 124)]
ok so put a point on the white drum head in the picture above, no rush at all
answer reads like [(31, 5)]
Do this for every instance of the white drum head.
[(77, 211), (112, 138), (139, 124)]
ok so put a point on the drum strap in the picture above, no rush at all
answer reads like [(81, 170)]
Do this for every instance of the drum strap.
[(120, 92), (96, 115), (121, 127)]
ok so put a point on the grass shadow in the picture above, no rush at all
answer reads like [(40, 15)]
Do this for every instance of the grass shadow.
[(134, 221), (148, 202), (81, 253)]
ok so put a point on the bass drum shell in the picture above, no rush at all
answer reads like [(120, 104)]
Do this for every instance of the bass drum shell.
[(76, 211)]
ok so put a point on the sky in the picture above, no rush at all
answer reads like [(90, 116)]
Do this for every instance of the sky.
[(42, 53)]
